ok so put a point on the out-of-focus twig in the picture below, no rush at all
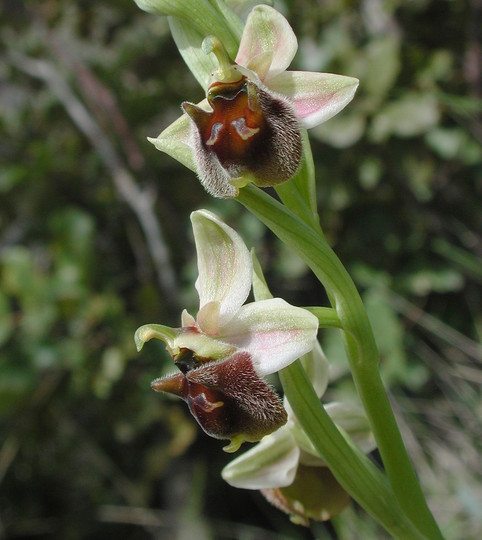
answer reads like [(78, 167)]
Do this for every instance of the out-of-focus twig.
[(98, 97), (141, 202), (435, 326)]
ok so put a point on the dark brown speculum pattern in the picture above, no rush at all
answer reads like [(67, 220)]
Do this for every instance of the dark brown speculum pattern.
[(250, 131), (236, 125)]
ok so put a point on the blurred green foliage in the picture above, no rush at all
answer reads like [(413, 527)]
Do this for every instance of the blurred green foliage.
[(87, 450)]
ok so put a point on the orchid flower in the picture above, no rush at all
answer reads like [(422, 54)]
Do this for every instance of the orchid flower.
[(224, 352), (285, 465), (248, 128)]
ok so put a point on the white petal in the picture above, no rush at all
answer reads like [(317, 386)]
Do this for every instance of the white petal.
[(187, 320), (271, 463), (224, 264), (273, 332), (316, 96), (267, 31), (188, 41)]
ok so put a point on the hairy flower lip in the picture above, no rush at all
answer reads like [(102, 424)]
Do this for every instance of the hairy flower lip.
[(228, 399)]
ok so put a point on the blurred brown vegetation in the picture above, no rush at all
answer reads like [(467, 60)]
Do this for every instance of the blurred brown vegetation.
[(95, 241)]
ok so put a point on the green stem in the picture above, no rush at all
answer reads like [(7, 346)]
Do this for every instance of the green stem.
[(309, 244), (327, 317), (353, 470)]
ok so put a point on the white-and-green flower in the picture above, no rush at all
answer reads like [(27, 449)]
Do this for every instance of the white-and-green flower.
[(284, 465), (225, 351), (248, 128)]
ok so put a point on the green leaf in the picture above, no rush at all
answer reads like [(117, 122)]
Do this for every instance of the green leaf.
[(188, 40), (199, 15)]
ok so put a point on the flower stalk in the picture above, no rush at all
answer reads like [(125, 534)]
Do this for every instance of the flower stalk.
[(360, 345), (213, 138), (353, 470)]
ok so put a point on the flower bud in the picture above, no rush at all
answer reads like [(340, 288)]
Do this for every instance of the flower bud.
[(314, 494)]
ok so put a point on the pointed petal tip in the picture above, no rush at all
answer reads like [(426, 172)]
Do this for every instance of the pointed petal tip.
[(154, 331), (139, 339)]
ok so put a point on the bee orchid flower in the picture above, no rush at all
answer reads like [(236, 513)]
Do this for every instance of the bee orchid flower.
[(248, 128), (224, 353), (285, 466)]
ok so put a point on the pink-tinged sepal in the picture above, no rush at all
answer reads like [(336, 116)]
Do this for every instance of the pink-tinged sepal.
[(316, 97), (224, 265)]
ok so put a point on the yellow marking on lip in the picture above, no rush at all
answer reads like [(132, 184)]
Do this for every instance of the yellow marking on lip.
[(210, 407)]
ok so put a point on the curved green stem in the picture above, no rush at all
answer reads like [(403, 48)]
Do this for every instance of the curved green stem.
[(309, 244), (327, 317), (353, 470)]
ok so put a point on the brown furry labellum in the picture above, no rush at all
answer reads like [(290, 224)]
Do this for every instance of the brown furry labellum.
[(251, 134), (227, 398)]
